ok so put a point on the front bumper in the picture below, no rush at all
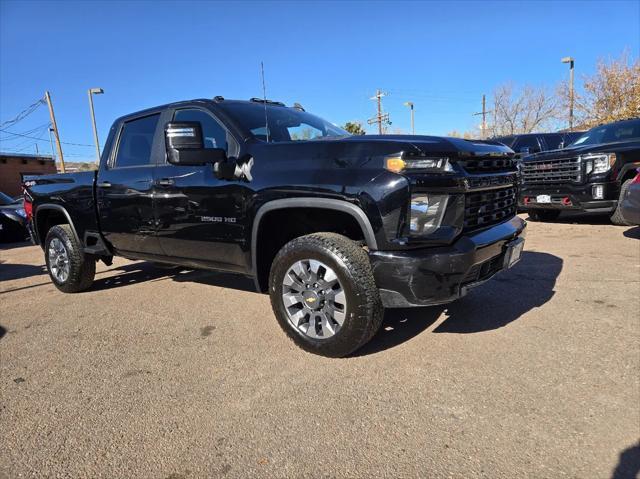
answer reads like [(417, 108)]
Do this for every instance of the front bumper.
[(570, 197), (440, 275)]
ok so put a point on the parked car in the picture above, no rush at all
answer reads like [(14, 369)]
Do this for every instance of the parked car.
[(530, 143), (334, 227), (12, 219), (630, 208), (592, 174)]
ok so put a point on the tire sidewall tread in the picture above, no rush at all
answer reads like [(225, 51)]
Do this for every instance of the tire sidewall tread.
[(351, 263), (82, 267)]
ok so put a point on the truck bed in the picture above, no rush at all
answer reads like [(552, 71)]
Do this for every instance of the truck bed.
[(75, 192)]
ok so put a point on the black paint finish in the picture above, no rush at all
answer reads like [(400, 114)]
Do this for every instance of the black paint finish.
[(186, 215)]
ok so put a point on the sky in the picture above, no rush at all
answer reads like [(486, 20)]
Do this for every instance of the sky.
[(329, 56)]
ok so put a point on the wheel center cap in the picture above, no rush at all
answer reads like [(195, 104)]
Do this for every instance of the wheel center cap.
[(311, 299)]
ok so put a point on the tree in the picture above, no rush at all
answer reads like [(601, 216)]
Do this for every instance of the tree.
[(527, 110), (354, 127), (611, 93), (467, 135)]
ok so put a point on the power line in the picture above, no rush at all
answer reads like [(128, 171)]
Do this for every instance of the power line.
[(34, 138), (34, 132), (23, 114)]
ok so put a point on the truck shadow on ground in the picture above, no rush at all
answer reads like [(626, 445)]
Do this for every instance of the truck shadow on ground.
[(502, 300), (633, 233), (580, 218), (10, 272), (628, 465), (144, 272)]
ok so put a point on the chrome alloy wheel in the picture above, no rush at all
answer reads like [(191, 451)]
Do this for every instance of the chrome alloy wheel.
[(314, 299), (58, 260)]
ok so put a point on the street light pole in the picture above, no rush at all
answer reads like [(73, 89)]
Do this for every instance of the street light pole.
[(53, 155), (410, 105), (570, 61), (90, 93)]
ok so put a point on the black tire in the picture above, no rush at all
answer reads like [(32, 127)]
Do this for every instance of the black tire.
[(544, 215), (616, 217), (364, 310), (82, 267)]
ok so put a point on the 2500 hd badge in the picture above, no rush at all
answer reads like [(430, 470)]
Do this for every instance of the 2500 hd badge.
[(333, 227)]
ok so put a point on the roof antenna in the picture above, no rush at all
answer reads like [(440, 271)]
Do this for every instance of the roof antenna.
[(264, 96)]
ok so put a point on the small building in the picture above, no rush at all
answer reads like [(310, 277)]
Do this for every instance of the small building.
[(14, 165)]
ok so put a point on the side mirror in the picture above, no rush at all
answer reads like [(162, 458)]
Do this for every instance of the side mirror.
[(185, 145)]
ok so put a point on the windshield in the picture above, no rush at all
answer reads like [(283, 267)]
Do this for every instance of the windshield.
[(285, 124), (5, 199), (619, 131)]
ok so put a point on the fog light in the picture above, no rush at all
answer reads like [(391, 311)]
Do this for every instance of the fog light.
[(426, 213), (597, 192)]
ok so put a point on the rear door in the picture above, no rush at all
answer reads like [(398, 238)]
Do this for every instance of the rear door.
[(199, 216), (125, 186)]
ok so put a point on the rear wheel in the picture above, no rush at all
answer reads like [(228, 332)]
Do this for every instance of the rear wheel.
[(616, 217), (70, 269), (544, 215), (324, 295)]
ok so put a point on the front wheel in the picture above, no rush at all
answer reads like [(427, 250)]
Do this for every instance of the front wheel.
[(70, 269), (324, 295), (544, 215)]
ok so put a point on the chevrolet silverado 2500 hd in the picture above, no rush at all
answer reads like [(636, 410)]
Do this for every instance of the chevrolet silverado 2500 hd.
[(334, 227)]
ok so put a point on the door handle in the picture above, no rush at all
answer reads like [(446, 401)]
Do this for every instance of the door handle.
[(166, 182), (104, 184)]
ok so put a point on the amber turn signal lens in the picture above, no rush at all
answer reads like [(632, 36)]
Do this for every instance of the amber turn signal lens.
[(395, 164)]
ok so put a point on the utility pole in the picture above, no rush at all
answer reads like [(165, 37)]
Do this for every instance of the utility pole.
[(380, 118), (410, 105), (37, 152), (55, 130), (570, 61), (484, 112)]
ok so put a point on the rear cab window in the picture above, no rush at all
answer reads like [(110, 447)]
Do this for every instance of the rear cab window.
[(136, 142)]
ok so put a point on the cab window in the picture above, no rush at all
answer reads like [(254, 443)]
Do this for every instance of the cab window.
[(136, 140), (214, 135), (530, 142)]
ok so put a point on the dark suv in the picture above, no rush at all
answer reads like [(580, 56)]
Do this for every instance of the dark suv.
[(592, 174)]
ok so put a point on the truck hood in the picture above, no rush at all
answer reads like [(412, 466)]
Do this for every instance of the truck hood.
[(367, 146), (573, 151), (430, 144)]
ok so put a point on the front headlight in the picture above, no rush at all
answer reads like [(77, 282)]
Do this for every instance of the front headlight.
[(426, 213), (599, 163), (397, 163)]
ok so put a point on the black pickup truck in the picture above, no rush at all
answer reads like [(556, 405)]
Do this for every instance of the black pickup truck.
[(592, 174), (335, 227)]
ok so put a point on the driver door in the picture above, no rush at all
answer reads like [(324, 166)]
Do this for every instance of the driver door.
[(199, 216)]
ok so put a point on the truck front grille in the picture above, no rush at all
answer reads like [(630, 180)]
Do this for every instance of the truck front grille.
[(486, 208), (487, 165), (552, 171)]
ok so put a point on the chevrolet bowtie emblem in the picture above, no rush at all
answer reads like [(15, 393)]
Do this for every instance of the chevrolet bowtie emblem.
[(311, 300)]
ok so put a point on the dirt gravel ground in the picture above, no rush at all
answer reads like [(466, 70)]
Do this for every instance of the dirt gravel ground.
[(164, 375)]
